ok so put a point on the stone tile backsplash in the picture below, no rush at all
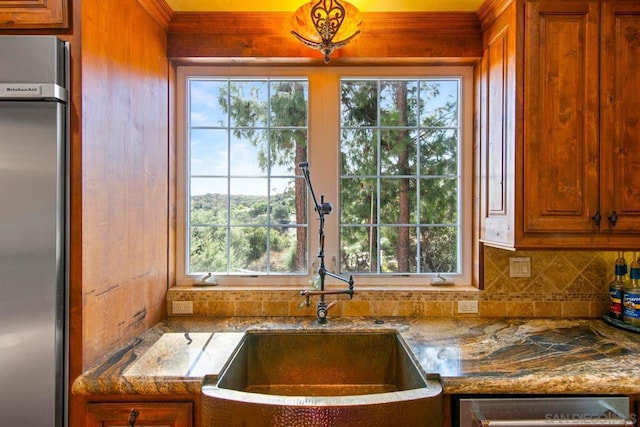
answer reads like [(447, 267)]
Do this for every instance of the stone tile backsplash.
[(562, 284)]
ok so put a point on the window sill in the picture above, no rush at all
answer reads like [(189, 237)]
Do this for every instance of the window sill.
[(295, 288)]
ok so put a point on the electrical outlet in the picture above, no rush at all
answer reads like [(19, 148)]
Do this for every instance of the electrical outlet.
[(520, 266), (468, 306), (182, 307)]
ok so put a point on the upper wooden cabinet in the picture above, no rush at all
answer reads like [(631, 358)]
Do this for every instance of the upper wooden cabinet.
[(620, 114), (34, 14), (560, 124)]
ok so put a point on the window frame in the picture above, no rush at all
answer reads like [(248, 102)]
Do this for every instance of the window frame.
[(324, 155)]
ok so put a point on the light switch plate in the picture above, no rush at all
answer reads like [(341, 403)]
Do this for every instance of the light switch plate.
[(520, 266)]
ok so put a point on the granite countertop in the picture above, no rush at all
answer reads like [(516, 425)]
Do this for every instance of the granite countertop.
[(471, 356)]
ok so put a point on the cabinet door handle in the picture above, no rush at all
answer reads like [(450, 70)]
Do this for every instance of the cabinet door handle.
[(613, 218), (597, 218), (133, 416)]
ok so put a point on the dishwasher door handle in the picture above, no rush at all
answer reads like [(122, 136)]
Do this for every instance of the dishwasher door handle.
[(546, 422)]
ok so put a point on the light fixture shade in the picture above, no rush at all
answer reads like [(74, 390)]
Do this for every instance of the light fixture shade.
[(326, 25)]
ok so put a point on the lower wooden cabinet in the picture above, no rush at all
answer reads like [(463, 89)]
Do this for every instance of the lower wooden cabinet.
[(147, 414)]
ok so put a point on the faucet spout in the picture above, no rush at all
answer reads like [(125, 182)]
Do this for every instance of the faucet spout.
[(310, 292)]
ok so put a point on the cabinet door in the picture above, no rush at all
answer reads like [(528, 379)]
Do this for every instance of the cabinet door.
[(497, 130), (32, 14), (620, 114), (561, 147), (147, 414)]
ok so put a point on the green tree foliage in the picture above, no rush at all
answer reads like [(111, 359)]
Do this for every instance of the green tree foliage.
[(399, 180), (399, 177), (248, 244), (272, 116)]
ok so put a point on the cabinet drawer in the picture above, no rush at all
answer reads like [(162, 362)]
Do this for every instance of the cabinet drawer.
[(147, 414)]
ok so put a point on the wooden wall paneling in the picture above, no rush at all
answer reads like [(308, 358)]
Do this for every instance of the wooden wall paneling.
[(267, 35), (124, 174)]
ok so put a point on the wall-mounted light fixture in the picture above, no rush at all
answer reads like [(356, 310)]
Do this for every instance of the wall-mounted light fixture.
[(326, 25)]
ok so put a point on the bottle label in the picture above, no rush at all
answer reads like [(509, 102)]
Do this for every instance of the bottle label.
[(631, 307), (615, 306)]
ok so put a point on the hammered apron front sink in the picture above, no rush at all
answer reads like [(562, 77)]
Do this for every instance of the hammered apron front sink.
[(321, 378)]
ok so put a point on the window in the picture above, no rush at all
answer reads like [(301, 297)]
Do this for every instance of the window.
[(246, 211), (399, 178), (390, 147)]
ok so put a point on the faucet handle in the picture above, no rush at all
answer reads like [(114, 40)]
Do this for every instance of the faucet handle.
[(321, 313), (322, 310), (306, 294)]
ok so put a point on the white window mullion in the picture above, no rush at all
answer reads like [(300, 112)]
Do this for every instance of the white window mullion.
[(324, 162)]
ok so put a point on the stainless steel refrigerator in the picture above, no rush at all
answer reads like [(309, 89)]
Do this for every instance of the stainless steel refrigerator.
[(34, 81)]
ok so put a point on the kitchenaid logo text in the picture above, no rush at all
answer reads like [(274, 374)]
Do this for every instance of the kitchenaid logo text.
[(22, 90)]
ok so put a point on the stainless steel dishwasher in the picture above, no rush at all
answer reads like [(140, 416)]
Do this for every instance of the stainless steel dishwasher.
[(545, 412)]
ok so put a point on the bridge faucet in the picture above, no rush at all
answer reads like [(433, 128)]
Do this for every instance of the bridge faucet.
[(323, 208)]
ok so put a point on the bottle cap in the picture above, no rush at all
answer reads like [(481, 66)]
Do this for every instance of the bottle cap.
[(635, 270), (621, 267)]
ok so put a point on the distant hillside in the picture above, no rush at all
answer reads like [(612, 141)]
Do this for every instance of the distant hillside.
[(219, 201)]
